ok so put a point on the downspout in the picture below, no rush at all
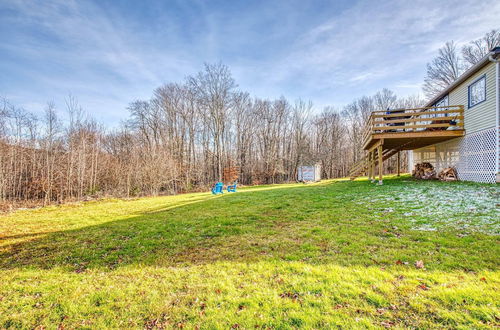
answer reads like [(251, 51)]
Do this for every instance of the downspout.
[(497, 92)]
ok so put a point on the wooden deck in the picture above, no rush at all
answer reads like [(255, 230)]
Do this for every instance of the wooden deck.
[(388, 132), (414, 128)]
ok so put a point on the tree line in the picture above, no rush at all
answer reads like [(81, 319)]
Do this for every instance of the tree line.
[(186, 137), (191, 134)]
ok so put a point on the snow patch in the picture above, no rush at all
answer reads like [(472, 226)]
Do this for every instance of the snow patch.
[(435, 205)]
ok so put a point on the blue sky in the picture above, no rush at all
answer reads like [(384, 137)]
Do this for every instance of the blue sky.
[(109, 53)]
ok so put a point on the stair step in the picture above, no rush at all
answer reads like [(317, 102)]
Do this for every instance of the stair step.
[(360, 167)]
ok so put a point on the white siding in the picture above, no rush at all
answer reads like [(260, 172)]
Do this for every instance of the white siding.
[(309, 173), (474, 155), (481, 116)]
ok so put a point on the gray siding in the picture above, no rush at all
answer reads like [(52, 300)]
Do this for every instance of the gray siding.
[(482, 116)]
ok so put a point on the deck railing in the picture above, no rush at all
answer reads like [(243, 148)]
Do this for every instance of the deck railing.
[(396, 121)]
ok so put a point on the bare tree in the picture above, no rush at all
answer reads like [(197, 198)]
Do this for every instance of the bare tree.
[(182, 139), (355, 115), (443, 70), (214, 89), (385, 99), (328, 141), (479, 48)]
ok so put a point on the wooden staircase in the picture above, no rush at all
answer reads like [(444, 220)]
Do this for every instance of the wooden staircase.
[(362, 166)]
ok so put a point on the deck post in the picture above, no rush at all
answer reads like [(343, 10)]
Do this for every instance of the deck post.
[(372, 166), (365, 165), (369, 165), (399, 162), (380, 164)]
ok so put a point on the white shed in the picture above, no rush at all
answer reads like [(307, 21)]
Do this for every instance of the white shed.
[(309, 173)]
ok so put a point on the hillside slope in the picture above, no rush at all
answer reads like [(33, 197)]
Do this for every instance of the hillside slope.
[(407, 253)]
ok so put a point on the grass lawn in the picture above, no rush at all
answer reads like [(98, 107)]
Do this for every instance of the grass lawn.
[(336, 253)]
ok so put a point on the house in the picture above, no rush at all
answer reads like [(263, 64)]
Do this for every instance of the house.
[(457, 128), (476, 154)]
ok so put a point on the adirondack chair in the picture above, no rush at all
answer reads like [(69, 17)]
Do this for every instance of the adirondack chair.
[(217, 189), (232, 188)]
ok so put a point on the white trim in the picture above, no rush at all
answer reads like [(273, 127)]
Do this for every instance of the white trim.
[(490, 57), (469, 92), (497, 82)]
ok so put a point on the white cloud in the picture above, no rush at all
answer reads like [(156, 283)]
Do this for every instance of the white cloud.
[(375, 40), (107, 60)]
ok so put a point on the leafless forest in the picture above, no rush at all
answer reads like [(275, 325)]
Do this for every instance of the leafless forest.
[(191, 134), (186, 137)]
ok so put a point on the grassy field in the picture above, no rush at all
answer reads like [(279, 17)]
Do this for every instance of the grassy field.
[(336, 253)]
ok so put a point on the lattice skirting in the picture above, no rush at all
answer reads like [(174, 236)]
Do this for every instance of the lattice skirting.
[(474, 156)]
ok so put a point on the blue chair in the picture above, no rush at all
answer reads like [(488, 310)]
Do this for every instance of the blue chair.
[(217, 189), (232, 188)]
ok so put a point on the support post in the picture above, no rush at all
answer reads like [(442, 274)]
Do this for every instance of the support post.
[(399, 163), (380, 164), (369, 165), (372, 166)]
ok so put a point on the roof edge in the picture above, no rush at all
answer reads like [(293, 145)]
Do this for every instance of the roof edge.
[(495, 52)]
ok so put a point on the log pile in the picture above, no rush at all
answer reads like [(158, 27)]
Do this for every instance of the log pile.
[(424, 171), (448, 174)]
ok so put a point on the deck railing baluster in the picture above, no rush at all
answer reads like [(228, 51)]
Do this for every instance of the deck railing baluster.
[(412, 124)]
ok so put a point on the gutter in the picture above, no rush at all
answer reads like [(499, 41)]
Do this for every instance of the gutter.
[(498, 121), (476, 67), (497, 83)]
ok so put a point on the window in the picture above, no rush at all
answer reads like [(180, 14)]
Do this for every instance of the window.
[(441, 103), (477, 92)]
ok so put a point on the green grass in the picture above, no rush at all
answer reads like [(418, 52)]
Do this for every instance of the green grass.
[(336, 253)]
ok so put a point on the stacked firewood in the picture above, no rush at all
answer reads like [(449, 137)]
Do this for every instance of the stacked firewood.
[(424, 171), (448, 174)]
